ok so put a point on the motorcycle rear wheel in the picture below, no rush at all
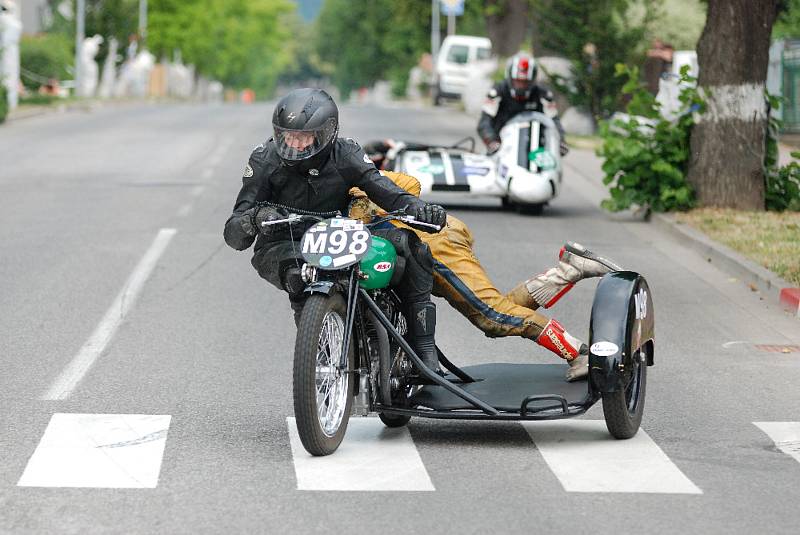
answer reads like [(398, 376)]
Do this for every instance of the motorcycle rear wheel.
[(323, 393)]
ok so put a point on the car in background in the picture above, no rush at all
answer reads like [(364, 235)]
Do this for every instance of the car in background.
[(460, 56)]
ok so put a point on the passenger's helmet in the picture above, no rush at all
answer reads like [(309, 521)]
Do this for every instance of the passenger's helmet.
[(306, 122), (521, 75)]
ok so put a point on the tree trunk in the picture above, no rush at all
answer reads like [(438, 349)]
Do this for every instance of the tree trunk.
[(728, 143), (507, 25)]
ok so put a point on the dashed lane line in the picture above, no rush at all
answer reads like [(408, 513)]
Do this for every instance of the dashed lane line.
[(75, 371)]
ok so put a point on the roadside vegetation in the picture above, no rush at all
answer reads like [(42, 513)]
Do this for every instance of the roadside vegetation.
[(772, 239)]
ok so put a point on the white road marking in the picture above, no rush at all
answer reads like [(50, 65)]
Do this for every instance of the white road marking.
[(184, 210), (63, 386), (786, 436), (585, 458), (99, 450), (372, 457)]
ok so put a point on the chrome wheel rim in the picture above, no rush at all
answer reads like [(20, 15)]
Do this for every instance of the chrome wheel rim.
[(331, 381)]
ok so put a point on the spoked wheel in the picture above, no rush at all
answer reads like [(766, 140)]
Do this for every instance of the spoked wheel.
[(323, 391), (623, 409)]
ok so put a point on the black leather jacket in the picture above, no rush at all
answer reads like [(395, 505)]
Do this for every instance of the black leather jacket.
[(500, 107), (324, 189)]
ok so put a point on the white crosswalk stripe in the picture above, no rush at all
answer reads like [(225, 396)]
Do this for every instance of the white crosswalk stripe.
[(585, 458), (99, 450), (371, 457), (786, 436)]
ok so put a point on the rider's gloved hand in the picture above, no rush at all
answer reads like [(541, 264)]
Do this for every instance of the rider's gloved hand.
[(432, 214), (492, 147), (563, 148), (265, 214), (246, 220)]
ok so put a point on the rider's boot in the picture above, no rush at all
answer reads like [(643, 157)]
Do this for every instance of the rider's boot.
[(423, 321), (576, 262), (555, 338)]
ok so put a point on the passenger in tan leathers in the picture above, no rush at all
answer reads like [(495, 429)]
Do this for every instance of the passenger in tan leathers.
[(459, 278)]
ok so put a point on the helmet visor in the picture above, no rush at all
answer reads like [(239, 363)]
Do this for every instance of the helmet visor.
[(297, 145)]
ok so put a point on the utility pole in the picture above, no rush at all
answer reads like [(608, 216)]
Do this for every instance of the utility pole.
[(451, 23), (80, 31), (142, 23), (435, 38)]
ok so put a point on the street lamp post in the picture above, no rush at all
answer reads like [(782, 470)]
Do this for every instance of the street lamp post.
[(434, 29), (80, 31), (142, 22)]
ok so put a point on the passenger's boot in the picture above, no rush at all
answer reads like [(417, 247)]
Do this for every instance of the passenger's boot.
[(422, 319), (555, 338), (576, 262)]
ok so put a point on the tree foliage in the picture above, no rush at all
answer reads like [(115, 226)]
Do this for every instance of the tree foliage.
[(46, 56), (381, 39), (242, 43), (594, 36), (647, 156)]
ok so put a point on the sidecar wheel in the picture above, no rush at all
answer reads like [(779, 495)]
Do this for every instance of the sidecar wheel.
[(323, 393), (623, 409), (530, 209), (393, 420)]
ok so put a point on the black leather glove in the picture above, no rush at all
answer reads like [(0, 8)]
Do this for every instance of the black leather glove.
[(563, 148), (247, 223), (265, 214), (432, 214)]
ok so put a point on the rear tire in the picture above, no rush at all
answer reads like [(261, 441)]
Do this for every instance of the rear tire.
[(437, 96), (323, 394), (393, 420), (506, 203), (623, 409)]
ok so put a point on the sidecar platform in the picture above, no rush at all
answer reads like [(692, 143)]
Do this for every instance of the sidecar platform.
[(515, 391)]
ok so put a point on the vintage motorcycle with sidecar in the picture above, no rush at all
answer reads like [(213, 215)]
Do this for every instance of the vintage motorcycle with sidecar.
[(352, 357)]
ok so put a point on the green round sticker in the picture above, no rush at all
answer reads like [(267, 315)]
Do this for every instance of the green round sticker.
[(543, 159)]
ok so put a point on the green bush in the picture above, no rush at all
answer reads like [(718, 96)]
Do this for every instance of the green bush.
[(783, 183), (3, 103), (46, 56), (647, 156)]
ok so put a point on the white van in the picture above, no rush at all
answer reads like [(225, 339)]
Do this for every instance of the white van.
[(459, 57)]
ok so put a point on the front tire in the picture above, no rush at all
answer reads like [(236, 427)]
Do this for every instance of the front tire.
[(323, 393), (530, 209), (623, 409)]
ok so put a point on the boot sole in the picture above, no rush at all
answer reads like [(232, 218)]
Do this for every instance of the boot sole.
[(579, 250)]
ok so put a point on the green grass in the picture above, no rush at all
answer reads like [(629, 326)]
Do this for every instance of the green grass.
[(771, 239)]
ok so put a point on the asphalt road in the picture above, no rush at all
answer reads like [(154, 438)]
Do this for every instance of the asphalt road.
[(204, 348)]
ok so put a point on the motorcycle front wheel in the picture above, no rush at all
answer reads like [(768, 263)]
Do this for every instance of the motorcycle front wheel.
[(323, 391)]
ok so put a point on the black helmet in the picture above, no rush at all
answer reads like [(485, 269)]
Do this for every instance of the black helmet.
[(306, 122)]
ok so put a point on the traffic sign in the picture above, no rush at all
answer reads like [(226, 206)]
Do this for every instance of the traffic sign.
[(452, 7)]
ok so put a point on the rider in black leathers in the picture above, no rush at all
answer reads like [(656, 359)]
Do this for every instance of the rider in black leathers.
[(307, 167), (517, 93)]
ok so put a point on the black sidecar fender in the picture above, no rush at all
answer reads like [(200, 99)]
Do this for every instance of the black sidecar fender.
[(621, 325)]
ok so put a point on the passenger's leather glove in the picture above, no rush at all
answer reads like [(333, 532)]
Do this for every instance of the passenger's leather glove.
[(492, 147), (431, 213), (563, 148)]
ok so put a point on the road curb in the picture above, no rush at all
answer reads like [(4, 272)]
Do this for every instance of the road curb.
[(754, 275)]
